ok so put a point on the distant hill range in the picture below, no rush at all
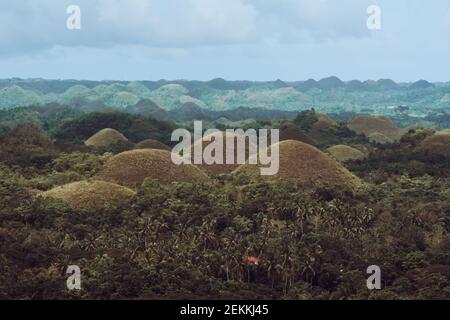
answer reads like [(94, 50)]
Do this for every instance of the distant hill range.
[(183, 99), (190, 111), (60, 86)]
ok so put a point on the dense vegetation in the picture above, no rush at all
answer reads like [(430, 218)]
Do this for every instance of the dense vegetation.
[(407, 103), (194, 240), (135, 127)]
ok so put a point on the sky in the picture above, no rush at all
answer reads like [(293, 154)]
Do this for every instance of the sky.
[(233, 39)]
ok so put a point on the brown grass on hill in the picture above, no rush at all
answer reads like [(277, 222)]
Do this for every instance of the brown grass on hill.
[(105, 138), (91, 195), (371, 125), (320, 130), (343, 153), (302, 162), (289, 131), (324, 122), (438, 144), (216, 169), (131, 168), (152, 144)]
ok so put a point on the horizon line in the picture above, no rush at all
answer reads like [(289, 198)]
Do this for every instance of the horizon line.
[(218, 78)]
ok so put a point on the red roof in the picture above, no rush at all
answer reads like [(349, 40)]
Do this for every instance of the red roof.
[(252, 260)]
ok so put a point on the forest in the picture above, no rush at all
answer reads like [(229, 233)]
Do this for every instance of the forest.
[(92, 187)]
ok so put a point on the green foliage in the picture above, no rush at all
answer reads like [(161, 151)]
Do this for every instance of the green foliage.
[(27, 145), (9, 119), (306, 119), (414, 260), (193, 240), (67, 168), (85, 164), (136, 128), (401, 158)]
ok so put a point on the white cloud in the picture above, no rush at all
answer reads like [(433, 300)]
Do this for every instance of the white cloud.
[(30, 26), (27, 25), (297, 20)]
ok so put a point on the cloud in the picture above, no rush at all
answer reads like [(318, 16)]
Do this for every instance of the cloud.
[(30, 26), (320, 20), (27, 25), (179, 23), (235, 39)]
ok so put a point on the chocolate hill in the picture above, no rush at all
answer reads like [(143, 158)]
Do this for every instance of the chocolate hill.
[(91, 195), (216, 169), (302, 162), (131, 168), (377, 128), (343, 153), (105, 138), (152, 144)]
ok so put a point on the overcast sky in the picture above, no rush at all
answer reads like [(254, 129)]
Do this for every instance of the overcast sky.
[(232, 39)]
